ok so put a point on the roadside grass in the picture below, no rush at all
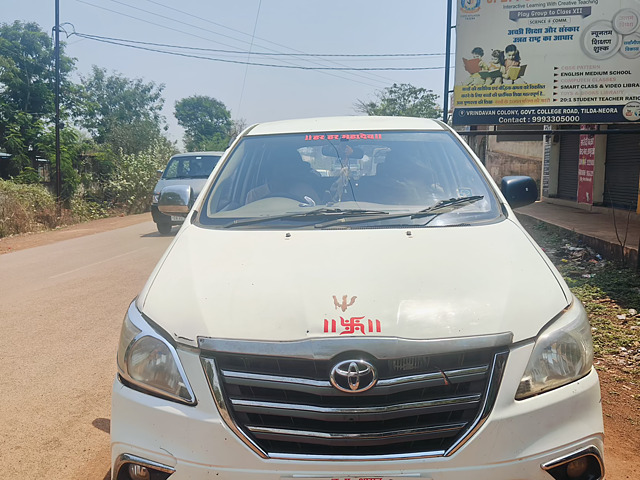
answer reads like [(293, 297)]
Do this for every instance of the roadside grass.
[(28, 208), (25, 208), (609, 291)]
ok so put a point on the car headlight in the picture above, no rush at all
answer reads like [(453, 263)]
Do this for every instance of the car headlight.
[(156, 198), (149, 362), (563, 353)]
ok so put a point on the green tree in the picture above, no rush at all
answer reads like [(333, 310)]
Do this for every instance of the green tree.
[(69, 148), (121, 112), (206, 121), (402, 100), (27, 92)]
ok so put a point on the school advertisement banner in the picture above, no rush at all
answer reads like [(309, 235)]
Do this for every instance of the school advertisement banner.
[(547, 62)]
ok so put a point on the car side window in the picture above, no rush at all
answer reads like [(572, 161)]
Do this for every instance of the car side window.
[(172, 170)]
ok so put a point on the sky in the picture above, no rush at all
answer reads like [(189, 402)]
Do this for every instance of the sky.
[(247, 29)]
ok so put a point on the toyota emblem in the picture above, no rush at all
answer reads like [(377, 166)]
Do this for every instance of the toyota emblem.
[(354, 376)]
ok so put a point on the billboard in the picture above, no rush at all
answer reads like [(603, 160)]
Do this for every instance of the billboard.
[(547, 62)]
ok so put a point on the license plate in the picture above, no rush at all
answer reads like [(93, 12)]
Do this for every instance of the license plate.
[(177, 218)]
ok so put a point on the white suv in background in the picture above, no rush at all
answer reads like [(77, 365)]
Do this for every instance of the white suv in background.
[(184, 169), (388, 319)]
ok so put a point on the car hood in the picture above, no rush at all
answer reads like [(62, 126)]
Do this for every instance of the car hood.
[(428, 283)]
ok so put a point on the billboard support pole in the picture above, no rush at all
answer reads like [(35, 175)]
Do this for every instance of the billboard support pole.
[(447, 65)]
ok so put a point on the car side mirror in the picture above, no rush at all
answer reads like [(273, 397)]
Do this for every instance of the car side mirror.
[(159, 173), (519, 190), (176, 200)]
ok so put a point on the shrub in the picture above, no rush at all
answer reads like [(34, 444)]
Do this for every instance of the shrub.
[(83, 210), (135, 175), (28, 176), (25, 208)]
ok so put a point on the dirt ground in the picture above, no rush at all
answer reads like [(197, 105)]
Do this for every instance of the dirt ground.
[(621, 409), (20, 242), (620, 390)]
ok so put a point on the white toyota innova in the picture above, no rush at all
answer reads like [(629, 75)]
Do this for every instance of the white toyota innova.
[(354, 298)]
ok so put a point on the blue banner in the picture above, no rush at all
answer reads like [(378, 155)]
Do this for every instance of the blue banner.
[(547, 115)]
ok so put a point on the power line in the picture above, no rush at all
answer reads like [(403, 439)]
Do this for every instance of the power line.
[(126, 43), (298, 53), (244, 79), (386, 80), (215, 33), (149, 22), (368, 77), (270, 54), (176, 21)]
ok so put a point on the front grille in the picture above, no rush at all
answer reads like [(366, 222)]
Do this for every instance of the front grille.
[(421, 404)]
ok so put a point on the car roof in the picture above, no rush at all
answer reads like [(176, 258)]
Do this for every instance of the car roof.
[(191, 154), (345, 123)]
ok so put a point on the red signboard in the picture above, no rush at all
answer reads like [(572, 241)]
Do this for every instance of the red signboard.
[(586, 162)]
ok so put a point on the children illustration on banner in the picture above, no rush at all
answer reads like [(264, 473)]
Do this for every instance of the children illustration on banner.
[(504, 66)]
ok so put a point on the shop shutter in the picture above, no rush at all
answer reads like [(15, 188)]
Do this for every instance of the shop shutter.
[(622, 169), (568, 167)]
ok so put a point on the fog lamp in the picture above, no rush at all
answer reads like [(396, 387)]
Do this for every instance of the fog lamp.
[(132, 467), (138, 472), (583, 465), (577, 467)]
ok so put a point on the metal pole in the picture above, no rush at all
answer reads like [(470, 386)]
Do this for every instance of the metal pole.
[(447, 64), (57, 102)]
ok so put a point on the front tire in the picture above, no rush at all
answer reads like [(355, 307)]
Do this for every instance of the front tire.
[(164, 228)]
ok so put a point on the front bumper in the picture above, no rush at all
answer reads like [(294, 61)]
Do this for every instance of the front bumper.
[(159, 217), (515, 442)]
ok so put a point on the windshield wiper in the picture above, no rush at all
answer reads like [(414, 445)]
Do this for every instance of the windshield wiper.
[(450, 204), (443, 206), (334, 213)]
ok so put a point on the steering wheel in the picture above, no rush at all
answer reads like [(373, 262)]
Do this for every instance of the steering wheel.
[(304, 200), (289, 195)]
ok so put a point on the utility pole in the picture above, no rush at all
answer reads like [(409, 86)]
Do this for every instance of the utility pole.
[(447, 64), (57, 102)]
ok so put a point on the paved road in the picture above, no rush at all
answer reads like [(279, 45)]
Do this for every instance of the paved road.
[(61, 307)]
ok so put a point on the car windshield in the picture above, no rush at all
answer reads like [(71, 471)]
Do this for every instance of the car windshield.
[(349, 180), (190, 166)]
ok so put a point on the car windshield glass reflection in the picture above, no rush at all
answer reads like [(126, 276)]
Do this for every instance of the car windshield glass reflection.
[(359, 180), (197, 166)]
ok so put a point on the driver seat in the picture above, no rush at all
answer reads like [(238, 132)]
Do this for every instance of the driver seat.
[(285, 174)]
